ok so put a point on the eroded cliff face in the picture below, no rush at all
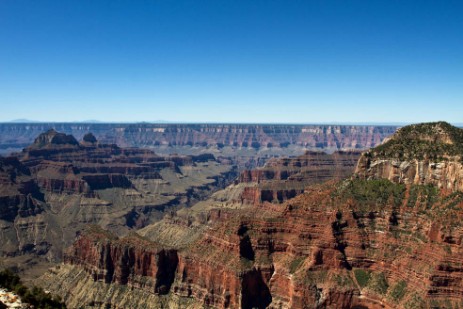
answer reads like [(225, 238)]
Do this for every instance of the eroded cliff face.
[(364, 242), (22, 218), (446, 175), (285, 178), (319, 166), (419, 154), (331, 137)]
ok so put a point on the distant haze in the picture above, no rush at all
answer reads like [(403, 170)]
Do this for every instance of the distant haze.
[(210, 122)]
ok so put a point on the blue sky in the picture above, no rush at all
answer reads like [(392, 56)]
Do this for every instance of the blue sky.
[(232, 61)]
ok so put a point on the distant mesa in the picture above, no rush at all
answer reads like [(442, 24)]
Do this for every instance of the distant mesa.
[(52, 138), (89, 139), (90, 121), (24, 121)]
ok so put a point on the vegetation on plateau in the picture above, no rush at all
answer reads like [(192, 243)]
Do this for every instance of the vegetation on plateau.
[(362, 277), (370, 194), (399, 290), (422, 141)]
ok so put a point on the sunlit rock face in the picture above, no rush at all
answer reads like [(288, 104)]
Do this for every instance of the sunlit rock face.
[(285, 178), (420, 154), (369, 241)]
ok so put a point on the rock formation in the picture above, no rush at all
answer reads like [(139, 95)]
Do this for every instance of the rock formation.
[(370, 241), (22, 207), (418, 154), (282, 179)]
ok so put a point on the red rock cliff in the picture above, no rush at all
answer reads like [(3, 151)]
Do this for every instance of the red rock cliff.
[(365, 242)]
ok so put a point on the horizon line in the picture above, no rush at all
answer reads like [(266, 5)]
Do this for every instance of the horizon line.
[(385, 123), (164, 122)]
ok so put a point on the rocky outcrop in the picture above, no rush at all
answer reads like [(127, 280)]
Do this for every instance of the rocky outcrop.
[(140, 264), (89, 139), (447, 175), (131, 261), (282, 179), (22, 209), (420, 154), (51, 138), (318, 166)]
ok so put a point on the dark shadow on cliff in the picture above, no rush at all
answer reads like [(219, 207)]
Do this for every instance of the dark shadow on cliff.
[(107, 261), (246, 250), (254, 291), (167, 266)]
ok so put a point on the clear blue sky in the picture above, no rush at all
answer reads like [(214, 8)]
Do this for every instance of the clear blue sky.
[(232, 61)]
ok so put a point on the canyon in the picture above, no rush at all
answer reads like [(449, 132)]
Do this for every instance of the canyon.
[(248, 145), (57, 185), (385, 232)]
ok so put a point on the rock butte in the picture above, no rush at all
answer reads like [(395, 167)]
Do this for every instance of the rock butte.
[(388, 237)]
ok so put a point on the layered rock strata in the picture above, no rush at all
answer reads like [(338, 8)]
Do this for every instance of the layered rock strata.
[(284, 178), (57, 185), (364, 242), (256, 136)]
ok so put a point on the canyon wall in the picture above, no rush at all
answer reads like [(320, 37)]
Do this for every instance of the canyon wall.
[(281, 179), (15, 136)]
